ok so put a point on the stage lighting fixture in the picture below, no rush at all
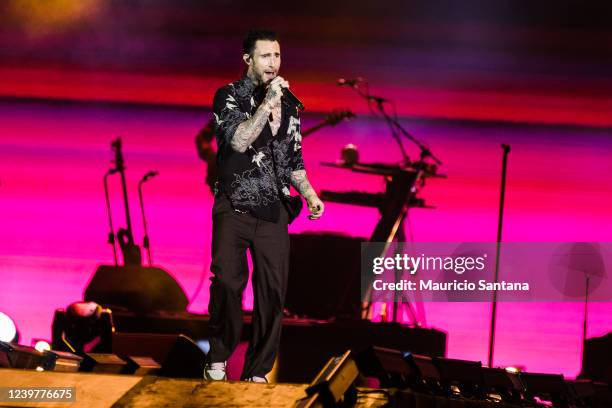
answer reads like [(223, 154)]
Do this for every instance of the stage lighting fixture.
[(427, 378), (177, 354), (63, 361), (460, 377), (83, 327), (142, 366), (17, 356), (333, 384), (514, 369), (8, 329), (41, 345), (103, 363), (501, 385), (545, 387), (387, 365)]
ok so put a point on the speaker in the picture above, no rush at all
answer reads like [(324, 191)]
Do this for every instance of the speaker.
[(597, 359), (428, 378), (464, 375), (503, 383), (103, 363), (324, 277), (177, 354), (136, 288), (333, 384), (550, 387), (62, 361), (387, 365), (142, 366)]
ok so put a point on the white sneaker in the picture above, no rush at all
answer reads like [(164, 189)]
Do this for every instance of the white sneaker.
[(215, 371), (256, 379)]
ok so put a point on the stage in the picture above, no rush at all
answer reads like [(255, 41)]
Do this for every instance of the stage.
[(484, 126)]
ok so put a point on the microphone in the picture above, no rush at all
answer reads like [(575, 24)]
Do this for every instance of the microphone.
[(293, 99), (149, 175), (349, 82)]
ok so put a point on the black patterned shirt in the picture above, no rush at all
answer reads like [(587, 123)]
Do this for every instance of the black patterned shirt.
[(255, 180)]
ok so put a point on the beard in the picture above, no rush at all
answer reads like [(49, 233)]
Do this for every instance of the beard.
[(263, 76)]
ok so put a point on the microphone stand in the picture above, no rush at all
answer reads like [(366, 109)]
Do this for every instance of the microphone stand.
[(145, 242), (396, 129), (395, 126), (585, 319), (506, 149), (111, 233)]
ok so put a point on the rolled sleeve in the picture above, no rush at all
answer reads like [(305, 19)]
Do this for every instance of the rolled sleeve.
[(295, 146), (228, 115)]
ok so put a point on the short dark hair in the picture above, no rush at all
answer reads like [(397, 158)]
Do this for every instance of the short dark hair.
[(255, 34)]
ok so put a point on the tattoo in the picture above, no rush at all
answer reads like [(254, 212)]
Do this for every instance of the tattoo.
[(249, 130), (270, 95), (276, 119), (299, 180)]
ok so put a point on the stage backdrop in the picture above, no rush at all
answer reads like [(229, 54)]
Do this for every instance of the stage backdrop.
[(465, 79), (54, 224)]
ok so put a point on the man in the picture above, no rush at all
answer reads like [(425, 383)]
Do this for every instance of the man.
[(207, 152), (259, 157)]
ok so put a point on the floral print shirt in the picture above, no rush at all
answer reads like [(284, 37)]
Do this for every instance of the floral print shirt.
[(255, 181)]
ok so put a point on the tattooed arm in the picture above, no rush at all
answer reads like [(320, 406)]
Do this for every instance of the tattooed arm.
[(249, 130), (299, 180)]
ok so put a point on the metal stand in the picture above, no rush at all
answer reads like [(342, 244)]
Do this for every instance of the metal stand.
[(506, 149), (145, 242), (111, 233)]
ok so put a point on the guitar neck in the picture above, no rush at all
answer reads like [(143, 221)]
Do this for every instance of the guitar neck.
[(126, 203), (314, 129), (331, 120), (120, 166)]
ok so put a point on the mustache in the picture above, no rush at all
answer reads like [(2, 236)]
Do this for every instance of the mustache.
[(266, 83)]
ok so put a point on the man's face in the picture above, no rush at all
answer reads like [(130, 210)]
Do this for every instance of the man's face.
[(265, 61)]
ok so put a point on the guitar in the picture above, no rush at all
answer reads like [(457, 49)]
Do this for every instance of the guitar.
[(131, 251), (332, 119)]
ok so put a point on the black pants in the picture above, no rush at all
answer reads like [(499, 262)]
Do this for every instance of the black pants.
[(268, 243)]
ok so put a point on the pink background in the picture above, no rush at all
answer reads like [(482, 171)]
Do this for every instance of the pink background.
[(54, 224), (466, 77)]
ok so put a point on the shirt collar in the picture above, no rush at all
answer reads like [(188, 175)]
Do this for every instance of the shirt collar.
[(248, 84)]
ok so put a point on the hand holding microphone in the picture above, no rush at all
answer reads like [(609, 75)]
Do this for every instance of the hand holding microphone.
[(275, 91), (279, 85)]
